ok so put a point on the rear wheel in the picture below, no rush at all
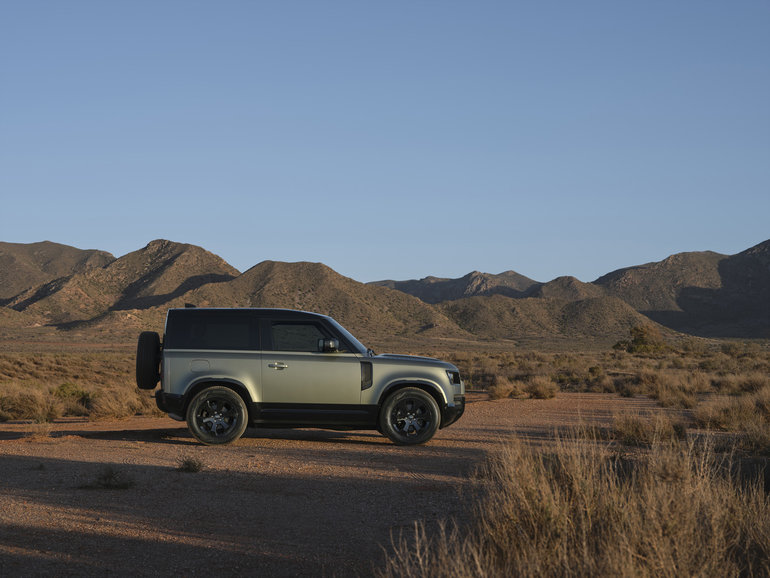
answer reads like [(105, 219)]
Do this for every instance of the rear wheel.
[(148, 360), (217, 415), (410, 416)]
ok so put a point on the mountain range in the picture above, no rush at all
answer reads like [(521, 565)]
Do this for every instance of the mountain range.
[(48, 285)]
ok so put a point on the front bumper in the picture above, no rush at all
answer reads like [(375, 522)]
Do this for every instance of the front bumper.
[(451, 414)]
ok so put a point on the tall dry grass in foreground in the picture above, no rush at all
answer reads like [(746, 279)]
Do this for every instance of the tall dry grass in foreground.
[(583, 511)]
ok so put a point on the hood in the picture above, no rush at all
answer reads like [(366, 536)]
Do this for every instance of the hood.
[(401, 357), (414, 359)]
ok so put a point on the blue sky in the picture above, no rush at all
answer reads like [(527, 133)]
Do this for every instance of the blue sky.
[(389, 139)]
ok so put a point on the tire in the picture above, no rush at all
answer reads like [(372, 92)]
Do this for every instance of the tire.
[(410, 416), (217, 415), (148, 360)]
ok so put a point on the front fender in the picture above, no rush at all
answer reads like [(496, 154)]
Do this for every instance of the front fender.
[(431, 386)]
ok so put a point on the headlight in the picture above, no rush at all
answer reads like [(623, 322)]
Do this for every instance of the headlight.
[(454, 377)]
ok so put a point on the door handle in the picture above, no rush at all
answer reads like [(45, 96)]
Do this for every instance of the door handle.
[(278, 365)]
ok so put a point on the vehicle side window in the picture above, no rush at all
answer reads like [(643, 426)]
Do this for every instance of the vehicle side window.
[(211, 330), (296, 336)]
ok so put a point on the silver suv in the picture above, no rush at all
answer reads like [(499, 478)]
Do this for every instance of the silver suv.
[(222, 370)]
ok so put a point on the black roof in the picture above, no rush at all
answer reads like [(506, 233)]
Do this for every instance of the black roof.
[(256, 311)]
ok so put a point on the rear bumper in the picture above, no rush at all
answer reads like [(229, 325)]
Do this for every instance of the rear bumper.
[(451, 414), (172, 404)]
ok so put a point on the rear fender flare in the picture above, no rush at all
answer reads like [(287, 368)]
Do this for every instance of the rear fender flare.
[(203, 382)]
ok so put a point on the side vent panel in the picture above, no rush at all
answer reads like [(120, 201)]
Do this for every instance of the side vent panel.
[(366, 375)]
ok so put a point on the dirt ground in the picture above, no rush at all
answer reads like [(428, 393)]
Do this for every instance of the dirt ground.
[(275, 503)]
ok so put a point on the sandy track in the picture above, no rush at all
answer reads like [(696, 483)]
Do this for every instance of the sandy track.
[(277, 502)]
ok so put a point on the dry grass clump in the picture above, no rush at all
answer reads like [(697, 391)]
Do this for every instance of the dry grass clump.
[(537, 387), (110, 478), (747, 415), (680, 390), (541, 387), (28, 403), (45, 386), (36, 402), (634, 429), (120, 402), (582, 511)]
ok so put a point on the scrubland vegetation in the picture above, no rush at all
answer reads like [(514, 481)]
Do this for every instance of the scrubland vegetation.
[(715, 386), (585, 509)]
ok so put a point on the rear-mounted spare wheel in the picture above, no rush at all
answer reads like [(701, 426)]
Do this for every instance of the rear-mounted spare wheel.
[(148, 360)]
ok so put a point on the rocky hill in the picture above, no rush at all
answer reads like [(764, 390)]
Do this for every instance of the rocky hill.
[(28, 265), (656, 286), (437, 290), (508, 318), (149, 277), (566, 288), (705, 294)]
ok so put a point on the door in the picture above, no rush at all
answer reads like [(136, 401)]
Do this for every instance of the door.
[(295, 372)]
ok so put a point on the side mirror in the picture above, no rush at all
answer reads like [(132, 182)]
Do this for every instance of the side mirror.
[(328, 345)]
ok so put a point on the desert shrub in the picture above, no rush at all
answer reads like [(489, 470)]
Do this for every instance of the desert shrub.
[(502, 388), (479, 371), (75, 400), (645, 339), (725, 414), (670, 396), (581, 377), (579, 511), (648, 380), (602, 384), (541, 387), (719, 363), (190, 465), (110, 478), (754, 382), (693, 346)]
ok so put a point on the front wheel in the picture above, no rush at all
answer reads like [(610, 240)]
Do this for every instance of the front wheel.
[(217, 415), (410, 416)]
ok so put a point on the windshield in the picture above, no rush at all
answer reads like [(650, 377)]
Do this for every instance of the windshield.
[(355, 343)]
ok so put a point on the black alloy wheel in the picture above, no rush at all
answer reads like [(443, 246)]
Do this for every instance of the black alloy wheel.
[(217, 415), (410, 416)]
